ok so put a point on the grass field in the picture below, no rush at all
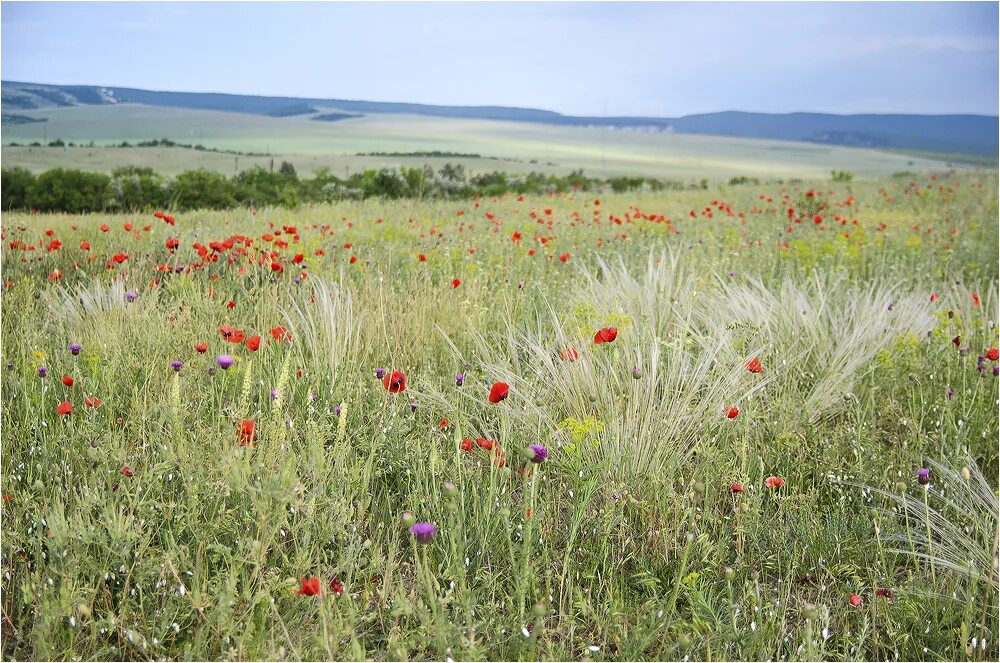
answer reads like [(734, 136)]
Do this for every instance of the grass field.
[(731, 474), (309, 144)]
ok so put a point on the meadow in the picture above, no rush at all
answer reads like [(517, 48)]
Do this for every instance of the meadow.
[(506, 146), (747, 423)]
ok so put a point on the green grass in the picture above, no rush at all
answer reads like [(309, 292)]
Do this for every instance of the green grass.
[(616, 547), (308, 144)]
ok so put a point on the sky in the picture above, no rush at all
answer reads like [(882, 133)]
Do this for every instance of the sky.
[(647, 59)]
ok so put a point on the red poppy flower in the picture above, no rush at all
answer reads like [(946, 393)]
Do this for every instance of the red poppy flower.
[(105, 227), (486, 444), (422, 258), (231, 334), (855, 600), (201, 347), (456, 282), (498, 392), (119, 258), (774, 482), (247, 431), (569, 354), (885, 593), (336, 586), (67, 380), (172, 244), (299, 257), (732, 412), (310, 587), (443, 423), (277, 267), (64, 408), (127, 471), (85, 246), (394, 382), (91, 401), (993, 354), (754, 365), (253, 343), (353, 259), (957, 341), (736, 487), (934, 297), (975, 299), (565, 257), (466, 444), (606, 335), (280, 333)]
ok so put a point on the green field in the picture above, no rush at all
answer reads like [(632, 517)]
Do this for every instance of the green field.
[(515, 147), (732, 475)]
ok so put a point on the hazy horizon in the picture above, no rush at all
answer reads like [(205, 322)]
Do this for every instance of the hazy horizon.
[(613, 59)]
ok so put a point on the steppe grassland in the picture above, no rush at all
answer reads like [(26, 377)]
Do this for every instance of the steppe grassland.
[(617, 546)]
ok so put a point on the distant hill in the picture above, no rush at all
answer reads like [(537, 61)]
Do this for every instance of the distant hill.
[(953, 134)]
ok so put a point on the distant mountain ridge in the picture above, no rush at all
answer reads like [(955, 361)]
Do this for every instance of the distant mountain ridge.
[(955, 134)]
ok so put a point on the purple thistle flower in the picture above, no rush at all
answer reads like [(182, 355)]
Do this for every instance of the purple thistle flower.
[(950, 393), (963, 352), (274, 394), (459, 380), (996, 371), (225, 361), (313, 397), (380, 373), (336, 410), (923, 476), (541, 453), (42, 371), (413, 406), (75, 348), (131, 296), (176, 365), (423, 532)]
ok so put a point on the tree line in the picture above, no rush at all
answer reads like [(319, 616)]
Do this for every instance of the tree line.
[(135, 189)]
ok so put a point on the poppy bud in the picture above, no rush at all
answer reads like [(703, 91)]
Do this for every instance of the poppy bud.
[(729, 573), (408, 520), (449, 489), (689, 537), (539, 609), (83, 610), (636, 373), (684, 640), (966, 474), (699, 487), (900, 487), (809, 611)]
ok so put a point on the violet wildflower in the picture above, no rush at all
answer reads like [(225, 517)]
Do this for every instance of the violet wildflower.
[(538, 453), (176, 365), (996, 371), (42, 371), (313, 397), (336, 410), (423, 532), (413, 406), (225, 361), (380, 373), (274, 394), (924, 476), (75, 348), (459, 380), (131, 296), (950, 393)]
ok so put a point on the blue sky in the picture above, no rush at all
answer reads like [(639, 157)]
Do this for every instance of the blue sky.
[(656, 59)]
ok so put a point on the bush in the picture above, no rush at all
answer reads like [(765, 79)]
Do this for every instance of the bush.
[(73, 191)]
